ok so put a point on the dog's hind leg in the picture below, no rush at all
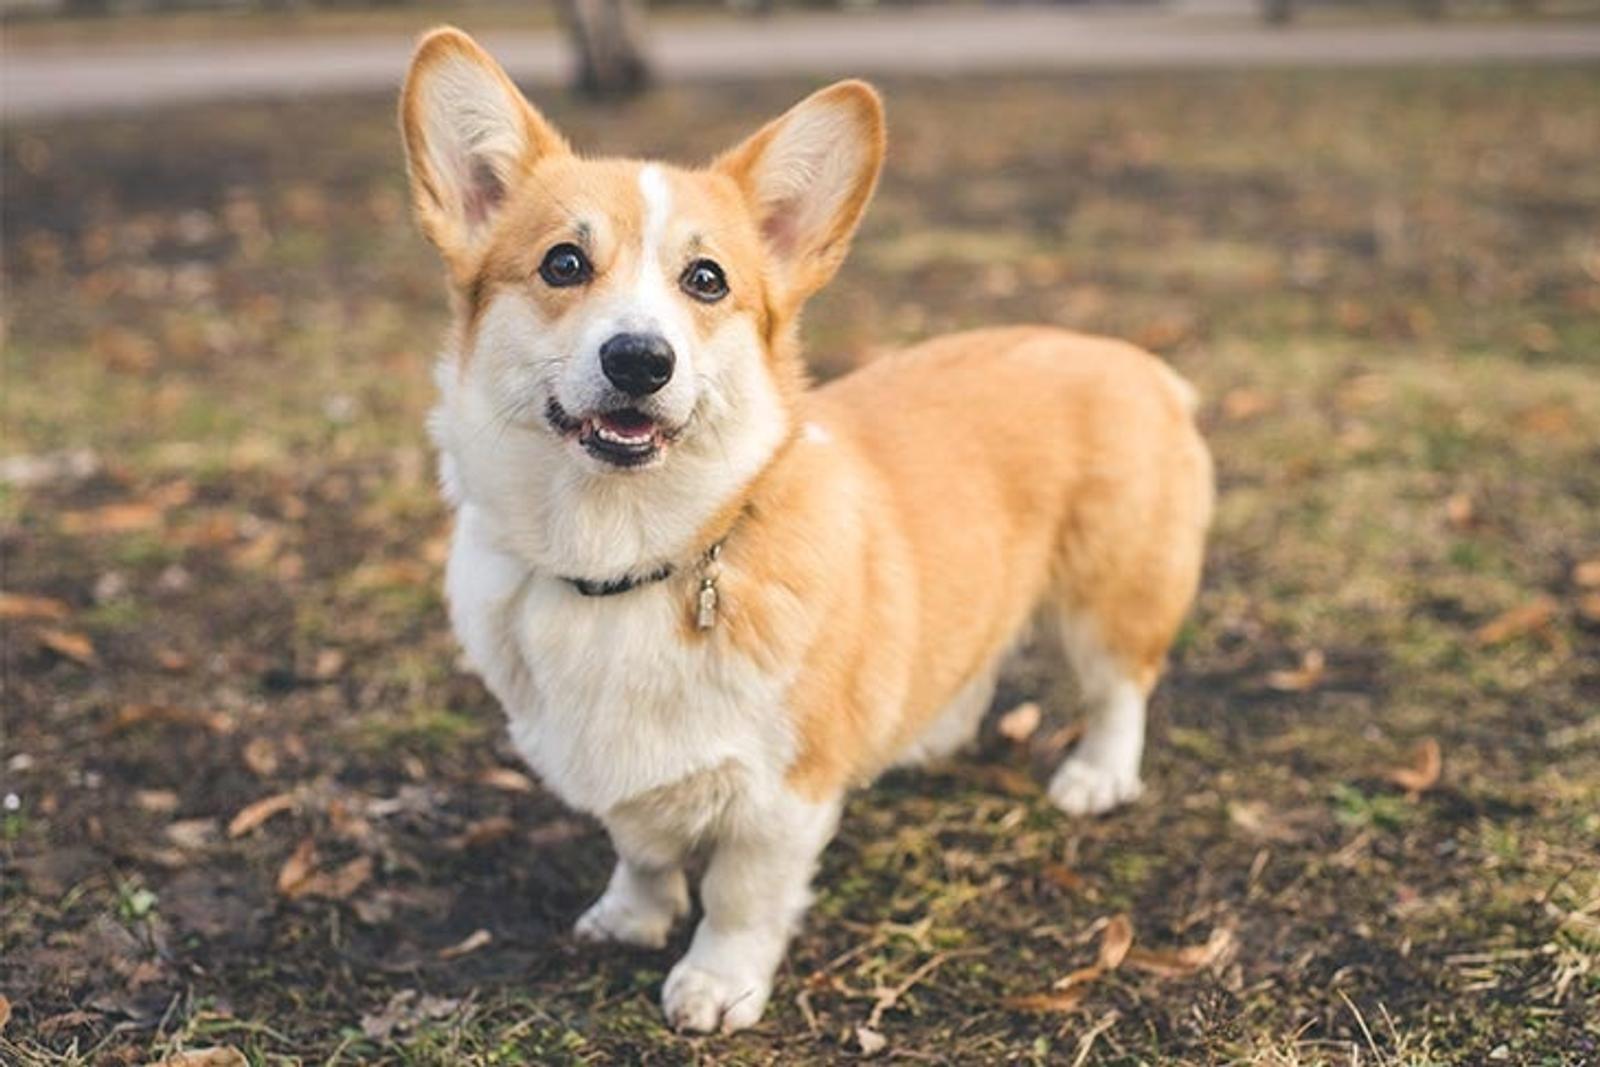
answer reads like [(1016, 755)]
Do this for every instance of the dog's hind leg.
[(1103, 770)]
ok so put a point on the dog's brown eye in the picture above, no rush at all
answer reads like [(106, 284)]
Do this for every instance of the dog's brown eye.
[(565, 265), (705, 281)]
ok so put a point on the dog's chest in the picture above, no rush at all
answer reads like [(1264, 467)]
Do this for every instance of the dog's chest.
[(606, 696)]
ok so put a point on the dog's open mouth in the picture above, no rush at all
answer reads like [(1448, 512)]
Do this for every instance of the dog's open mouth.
[(626, 437)]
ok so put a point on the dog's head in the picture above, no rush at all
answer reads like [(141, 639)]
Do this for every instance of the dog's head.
[(622, 319)]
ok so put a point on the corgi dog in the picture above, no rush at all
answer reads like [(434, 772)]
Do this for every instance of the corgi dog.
[(711, 598)]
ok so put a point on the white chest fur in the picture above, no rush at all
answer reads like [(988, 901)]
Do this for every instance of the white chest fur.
[(606, 699)]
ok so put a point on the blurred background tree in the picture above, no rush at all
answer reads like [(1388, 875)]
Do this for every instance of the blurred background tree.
[(607, 37)]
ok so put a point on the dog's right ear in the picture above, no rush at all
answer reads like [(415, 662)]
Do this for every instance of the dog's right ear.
[(470, 135)]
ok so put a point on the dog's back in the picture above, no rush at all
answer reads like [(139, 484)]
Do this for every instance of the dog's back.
[(1026, 467)]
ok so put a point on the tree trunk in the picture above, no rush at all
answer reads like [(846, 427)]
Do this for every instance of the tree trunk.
[(607, 37), (1277, 12)]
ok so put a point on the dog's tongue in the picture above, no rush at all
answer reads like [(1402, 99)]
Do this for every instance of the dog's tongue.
[(628, 422)]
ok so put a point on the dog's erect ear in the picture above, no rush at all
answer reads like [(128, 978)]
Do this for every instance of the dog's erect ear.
[(808, 176), (470, 134)]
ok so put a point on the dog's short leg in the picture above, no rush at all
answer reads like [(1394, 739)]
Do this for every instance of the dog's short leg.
[(755, 890), (639, 906), (1103, 771)]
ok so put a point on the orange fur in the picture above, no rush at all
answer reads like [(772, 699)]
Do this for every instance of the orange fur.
[(968, 480)]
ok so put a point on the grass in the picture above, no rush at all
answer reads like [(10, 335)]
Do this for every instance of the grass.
[(219, 326)]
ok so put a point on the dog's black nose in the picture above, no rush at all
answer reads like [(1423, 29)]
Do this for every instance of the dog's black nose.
[(637, 363)]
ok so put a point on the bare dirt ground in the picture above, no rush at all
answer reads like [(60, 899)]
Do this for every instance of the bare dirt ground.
[(251, 801)]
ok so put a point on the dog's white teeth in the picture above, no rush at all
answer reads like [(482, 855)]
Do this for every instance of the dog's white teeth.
[(621, 439)]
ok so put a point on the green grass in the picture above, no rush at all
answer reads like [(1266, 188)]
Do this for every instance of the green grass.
[(1386, 287)]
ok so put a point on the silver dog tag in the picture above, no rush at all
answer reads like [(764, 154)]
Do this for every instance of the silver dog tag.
[(706, 616)]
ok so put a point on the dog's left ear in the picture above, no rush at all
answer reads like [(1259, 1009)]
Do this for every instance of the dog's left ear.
[(807, 177), (470, 135)]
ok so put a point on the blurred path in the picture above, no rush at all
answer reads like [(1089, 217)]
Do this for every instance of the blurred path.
[(78, 79)]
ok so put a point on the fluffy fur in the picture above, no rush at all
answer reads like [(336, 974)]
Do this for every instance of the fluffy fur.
[(885, 538)]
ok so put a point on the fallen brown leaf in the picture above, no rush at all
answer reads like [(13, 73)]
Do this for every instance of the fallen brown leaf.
[(253, 815), (1162, 333), (471, 943), (1115, 942), (69, 645), (1313, 666), (1587, 574), (1116, 939), (1182, 962), (112, 519), (1020, 722), (1459, 510), (219, 1056), (261, 756), (1063, 877), (1536, 614), (1269, 823), (1422, 773), (1048, 1003), (160, 801), (297, 869), (192, 835), (338, 884), (347, 821), (5, 1013), (1080, 977), (131, 715), (482, 832), (23, 606), (507, 779)]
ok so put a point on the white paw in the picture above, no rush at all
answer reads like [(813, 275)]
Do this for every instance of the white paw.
[(1083, 788), (700, 1000), (631, 922)]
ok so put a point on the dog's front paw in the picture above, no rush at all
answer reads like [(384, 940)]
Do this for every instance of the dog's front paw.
[(1084, 788), (702, 1001), (605, 921), (634, 917)]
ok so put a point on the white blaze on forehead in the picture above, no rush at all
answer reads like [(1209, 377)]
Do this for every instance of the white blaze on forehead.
[(657, 207), (649, 303)]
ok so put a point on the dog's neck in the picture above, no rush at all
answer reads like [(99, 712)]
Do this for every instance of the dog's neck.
[(545, 507)]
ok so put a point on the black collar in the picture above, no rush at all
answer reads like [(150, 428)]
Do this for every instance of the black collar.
[(613, 586)]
